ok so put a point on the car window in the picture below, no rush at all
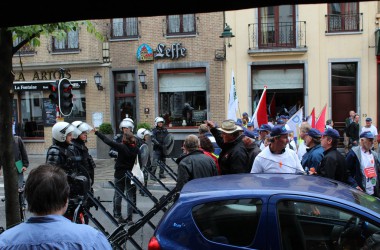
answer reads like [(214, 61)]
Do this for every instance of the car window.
[(231, 222), (306, 225)]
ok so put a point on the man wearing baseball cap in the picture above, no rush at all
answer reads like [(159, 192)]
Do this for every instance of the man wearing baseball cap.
[(370, 127), (333, 164), (264, 130), (245, 119), (233, 159), (276, 158), (314, 153), (363, 166)]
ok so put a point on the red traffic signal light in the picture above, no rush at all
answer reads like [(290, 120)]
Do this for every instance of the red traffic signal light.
[(65, 96), (54, 92)]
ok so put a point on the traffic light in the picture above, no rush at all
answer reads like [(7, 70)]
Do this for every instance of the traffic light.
[(65, 96), (54, 92)]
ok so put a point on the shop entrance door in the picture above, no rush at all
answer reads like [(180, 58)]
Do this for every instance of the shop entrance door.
[(125, 97), (343, 89)]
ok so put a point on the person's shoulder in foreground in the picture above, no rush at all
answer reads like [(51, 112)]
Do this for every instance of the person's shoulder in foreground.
[(52, 232), (47, 194)]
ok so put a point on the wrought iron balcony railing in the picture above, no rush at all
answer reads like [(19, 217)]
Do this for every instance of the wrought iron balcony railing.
[(336, 23), (277, 35)]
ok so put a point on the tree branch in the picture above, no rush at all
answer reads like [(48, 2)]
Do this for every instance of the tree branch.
[(23, 42)]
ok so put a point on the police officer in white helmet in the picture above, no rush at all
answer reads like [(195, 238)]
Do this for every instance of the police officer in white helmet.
[(126, 124), (62, 154), (61, 150), (158, 135), (143, 135), (79, 143)]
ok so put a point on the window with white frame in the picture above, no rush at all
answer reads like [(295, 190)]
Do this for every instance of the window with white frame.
[(26, 49), (69, 43), (124, 28), (343, 17), (181, 24)]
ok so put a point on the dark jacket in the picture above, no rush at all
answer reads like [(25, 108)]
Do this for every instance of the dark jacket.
[(194, 165), (355, 174), (234, 157), (127, 154), (347, 122), (333, 165), (19, 152), (313, 157), (253, 150), (353, 132), (87, 161), (63, 155), (158, 136)]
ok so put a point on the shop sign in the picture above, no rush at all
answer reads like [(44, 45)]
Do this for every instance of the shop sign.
[(144, 53), (43, 85), (175, 51)]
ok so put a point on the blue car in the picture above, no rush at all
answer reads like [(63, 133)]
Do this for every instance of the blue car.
[(269, 211)]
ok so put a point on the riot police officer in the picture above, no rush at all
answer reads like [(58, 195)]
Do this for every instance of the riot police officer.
[(158, 136), (79, 143), (62, 154), (143, 134)]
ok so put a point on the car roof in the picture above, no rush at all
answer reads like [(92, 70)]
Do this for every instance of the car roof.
[(271, 184)]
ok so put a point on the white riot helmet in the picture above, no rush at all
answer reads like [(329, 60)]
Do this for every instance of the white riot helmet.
[(82, 127), (157, 120), (61, 129), (127, 123), (142, 132)]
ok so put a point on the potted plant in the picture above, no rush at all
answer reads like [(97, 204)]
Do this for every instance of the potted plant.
[(144, 125), (102, 148)]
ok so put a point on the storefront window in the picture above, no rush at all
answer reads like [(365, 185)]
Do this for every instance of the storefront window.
[(79, 106), (182, 98), (31, 123), (34, 109)]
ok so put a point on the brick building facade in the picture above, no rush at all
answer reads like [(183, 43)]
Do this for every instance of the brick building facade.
[(188, 66)]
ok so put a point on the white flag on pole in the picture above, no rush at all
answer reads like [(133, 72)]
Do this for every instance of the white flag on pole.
[(295, 121), (233, 100)]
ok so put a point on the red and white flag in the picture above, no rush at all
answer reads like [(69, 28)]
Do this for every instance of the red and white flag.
[(320, 123), (311, 118), (261, 115)]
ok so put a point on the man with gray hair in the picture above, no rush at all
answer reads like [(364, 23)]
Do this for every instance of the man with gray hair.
[(193, 163)]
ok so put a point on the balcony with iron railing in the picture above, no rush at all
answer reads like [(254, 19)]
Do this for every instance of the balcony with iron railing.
[(343, 23), (277, 38)]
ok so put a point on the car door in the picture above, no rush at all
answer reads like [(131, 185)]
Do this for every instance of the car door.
[(234, 223), (304, 222)]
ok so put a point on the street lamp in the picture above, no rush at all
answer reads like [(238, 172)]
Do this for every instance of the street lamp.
[(227, 35), (142, 76), (98, 81)]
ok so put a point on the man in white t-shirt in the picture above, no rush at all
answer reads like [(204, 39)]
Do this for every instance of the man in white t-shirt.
[(276, 158), (363, 166), (371, 128)]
